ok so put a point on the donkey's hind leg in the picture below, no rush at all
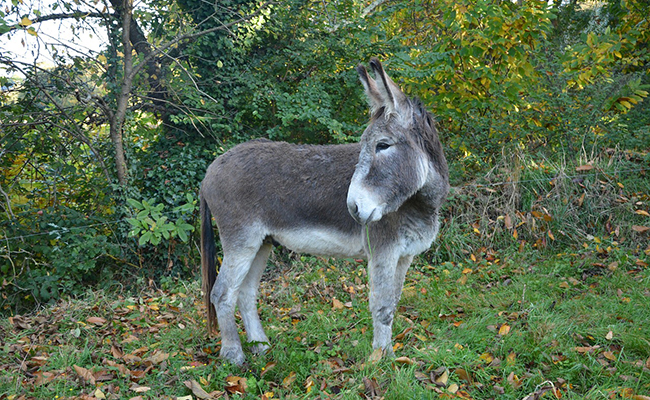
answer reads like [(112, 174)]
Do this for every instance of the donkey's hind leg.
[(247, 301), (236, 265)]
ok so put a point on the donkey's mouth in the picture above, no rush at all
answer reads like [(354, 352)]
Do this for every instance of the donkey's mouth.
[(366, 216)]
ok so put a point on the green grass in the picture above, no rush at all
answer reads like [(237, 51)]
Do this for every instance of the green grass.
[(489, 327)]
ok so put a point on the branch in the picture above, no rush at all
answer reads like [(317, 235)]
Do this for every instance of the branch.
[(7, 208), (74, 14)]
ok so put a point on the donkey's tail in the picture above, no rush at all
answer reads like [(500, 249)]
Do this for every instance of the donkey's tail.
[(208, 265)]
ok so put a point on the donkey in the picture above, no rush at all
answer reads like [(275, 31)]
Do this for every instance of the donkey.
[(378, 199)]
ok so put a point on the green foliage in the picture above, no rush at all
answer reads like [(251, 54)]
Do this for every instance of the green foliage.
[(472, 57), (287, 75), (54, 251), (151, 226)]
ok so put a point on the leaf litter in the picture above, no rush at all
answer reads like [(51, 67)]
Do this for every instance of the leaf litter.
[(128, 357)]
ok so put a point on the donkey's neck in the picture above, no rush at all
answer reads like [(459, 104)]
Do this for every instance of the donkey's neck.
[(431, 196)]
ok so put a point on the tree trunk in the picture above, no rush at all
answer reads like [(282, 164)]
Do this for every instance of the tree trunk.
[(119, 117)]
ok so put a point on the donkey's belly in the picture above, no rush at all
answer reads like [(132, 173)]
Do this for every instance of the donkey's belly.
[(321, 242)]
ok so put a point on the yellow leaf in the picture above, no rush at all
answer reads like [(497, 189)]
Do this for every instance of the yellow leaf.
[(514, 234), (404, 360), (610, 335), (453, 388), (487, 357), (25, 21), (442, 379), (642, 212), (504, 330), (550, 234), (102, 58), (336, 304)]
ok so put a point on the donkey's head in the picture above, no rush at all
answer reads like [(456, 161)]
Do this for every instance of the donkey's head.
[(400, 151)]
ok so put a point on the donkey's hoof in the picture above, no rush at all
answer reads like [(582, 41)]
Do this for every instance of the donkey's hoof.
[(260, 348), (234, 355)]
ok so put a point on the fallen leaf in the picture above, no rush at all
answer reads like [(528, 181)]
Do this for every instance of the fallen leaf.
[(574, 281), (586, 167), (442, 379), (43, 378), (140, 389), (268, 367), (99, 394), (337, 304), (453, 388), (404, 332), (158, 356), (508, 221), (610, 335), (642, 212), (117, 352), (375, 356), (404, 360), (84, 374), (289, 379), (196, 388), (99, 321), (514, 381), (487, 357), (504, 329), (463, 375), (640, 229), (586, 349)]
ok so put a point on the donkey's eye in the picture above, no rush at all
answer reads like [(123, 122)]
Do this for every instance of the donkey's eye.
[(381, 146)]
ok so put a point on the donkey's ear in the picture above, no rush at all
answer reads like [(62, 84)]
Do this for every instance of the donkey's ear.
[(372, 93), (393, 98)]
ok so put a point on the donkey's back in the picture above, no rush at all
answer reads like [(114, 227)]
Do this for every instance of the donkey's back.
[(293, 194)]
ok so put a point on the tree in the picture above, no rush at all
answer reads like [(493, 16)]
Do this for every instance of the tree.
[(126, 36)]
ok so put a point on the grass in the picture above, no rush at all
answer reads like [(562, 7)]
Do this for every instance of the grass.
[(486, 328)]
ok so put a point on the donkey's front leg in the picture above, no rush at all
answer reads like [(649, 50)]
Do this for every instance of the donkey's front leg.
[(382, 301)]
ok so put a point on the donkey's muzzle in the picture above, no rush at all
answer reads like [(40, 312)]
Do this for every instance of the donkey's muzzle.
[(363, 212)]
